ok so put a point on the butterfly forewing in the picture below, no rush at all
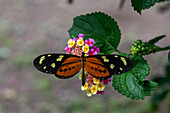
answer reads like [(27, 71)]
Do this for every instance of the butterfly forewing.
[(62, 65), (104, 66)]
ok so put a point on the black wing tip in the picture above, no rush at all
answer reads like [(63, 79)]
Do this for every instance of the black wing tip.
[(64, 77), (102, 78)]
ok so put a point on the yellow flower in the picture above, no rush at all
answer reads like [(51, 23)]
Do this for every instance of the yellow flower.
[(94, 89), (80, 76), (70, 43), (96, 81), (85, 55), (84, 87), (89, 92), (100, 86), (80, 42), (86, 48)]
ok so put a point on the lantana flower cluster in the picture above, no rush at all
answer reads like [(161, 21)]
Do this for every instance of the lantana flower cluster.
[(76, 46)]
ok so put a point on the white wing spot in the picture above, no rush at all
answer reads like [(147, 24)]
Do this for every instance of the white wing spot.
[(104, 57), (124, 61), (112, 66), (61, 56), (53, 65), (106, 60), (59, 59), (44, 67), (41, 59)]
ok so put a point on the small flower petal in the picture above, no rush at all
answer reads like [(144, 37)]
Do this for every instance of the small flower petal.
[(95, 53), (89, 92), (68, 42), (71, 43), (91, 40), (92, 52), (100, 86), (84, 87), (94, 89), (75, 39), (100, 92), (86, 49), (109, 79), (80, 76), (96, 81), (67, 49), (96, 49), (81, 35), (80, 42), (105, 82)]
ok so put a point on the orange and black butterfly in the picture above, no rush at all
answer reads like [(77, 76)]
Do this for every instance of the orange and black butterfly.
[(65, 66)]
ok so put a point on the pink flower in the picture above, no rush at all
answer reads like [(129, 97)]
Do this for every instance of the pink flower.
[(96, 49), (81, 35), (100, 92), (109, 79), (92, 52), (75, 39), (67, 49), (90, 42), (105, 82)]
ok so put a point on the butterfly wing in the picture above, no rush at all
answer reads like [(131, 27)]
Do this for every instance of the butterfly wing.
[(61, 65), (104, 66)]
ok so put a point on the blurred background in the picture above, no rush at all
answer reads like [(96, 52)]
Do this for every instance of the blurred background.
[(29, 28)]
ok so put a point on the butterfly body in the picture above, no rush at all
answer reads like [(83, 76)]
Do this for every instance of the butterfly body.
[(65, 66)]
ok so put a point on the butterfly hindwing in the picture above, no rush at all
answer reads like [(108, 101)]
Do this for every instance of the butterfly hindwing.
[(96, 68), (104, 66), (62, 65)]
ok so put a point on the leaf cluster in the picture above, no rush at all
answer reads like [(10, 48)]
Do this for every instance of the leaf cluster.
[(139, 5), (105, 31)]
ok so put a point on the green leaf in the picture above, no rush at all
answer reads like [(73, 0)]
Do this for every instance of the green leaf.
[(151, 44), (140, 68), (149, 85), (158, 49), (169, 58), (99, 26), (140, 5), (133, 83), (156, 39)]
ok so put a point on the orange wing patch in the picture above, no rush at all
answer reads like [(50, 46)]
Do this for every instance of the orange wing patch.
[(94, 60), (68, 70), (71, 59), (97, 70)]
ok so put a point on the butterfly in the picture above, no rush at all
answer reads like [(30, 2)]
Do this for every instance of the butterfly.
[(65, 66)]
